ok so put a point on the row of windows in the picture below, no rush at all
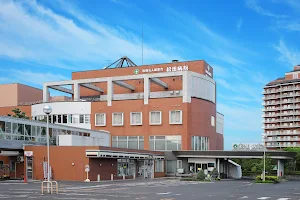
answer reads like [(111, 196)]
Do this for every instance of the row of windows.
[(157, 143), (136, 118), (65, 119)]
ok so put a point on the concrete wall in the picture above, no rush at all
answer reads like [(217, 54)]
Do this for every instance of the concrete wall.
[(8, 95), (29, 94)]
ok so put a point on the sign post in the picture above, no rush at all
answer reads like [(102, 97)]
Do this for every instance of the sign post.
[(87, 170)]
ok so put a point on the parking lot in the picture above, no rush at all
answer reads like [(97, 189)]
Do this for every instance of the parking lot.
[(157, 189)]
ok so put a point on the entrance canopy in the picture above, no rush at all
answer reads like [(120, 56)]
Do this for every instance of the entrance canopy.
[(234, 154), (122, 154)]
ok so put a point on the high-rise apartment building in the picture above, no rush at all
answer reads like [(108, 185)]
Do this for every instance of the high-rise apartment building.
[(281, 112)]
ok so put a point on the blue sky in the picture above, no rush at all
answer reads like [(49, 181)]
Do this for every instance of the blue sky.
[(248, 43)]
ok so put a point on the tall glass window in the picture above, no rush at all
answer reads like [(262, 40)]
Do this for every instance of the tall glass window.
[(165, 143), (200, 143)]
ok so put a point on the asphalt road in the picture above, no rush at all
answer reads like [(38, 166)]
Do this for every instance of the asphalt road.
[(157, 189)]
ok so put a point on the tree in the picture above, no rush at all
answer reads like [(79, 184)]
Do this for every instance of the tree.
[(293, 165), (201, 175), (18, 114)]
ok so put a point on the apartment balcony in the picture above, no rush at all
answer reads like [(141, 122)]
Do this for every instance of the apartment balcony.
[(273, 103), (287, 102), (278, 133), (287, 95), (270, 122), (271, 97), (272, 91), (270, 109), (291, 119), (288, 89), (282, 139), (289, 113), (290, 126), (272, 115), (282, 145), (271, 127), (287, 107)]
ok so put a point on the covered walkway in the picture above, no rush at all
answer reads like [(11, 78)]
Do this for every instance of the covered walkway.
[(188, 162)]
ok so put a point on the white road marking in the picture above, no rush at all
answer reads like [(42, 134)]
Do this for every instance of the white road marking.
[(244, 197), (283, 198), (262, 198), (163, 193)]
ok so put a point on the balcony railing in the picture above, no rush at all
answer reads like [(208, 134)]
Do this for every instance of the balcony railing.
[(272, 115), (271, 91), (283, 133), (270, 109), (271, 97), (282, 139), (282, 145)]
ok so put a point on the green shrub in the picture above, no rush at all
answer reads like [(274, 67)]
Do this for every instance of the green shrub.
[(215, 172), (201, 175), (273, 179)]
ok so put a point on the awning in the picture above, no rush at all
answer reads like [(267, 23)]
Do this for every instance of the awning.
[(121, 154)]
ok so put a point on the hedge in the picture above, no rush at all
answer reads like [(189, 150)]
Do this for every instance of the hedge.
[(273, 179)]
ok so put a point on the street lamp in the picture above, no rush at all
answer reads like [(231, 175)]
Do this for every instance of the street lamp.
[(47, 110), (264, 172)]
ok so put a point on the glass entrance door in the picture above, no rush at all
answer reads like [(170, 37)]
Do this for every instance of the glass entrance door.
[(29, 168), (198, 167)]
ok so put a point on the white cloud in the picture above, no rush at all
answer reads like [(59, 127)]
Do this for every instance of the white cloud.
[(224, 83), (290, 56), (239, 24), (36, 78), (253, 5), (49, 38), (289, 25)]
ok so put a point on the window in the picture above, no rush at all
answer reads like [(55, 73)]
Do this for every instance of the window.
[(159, 165), (165, 143), (1, 162), (136, 118), (179, 164), (65, 119), (75, 119), (87, 119), (211, 164), (2, 126), (59, 119), (129, 142), (117, 119), (212, 121), (155, 117), (12, 165), (81, 119), (100, 119), (175, 117), (200, 143)]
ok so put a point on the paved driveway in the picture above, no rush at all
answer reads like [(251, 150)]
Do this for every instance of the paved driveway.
[(157, 189)]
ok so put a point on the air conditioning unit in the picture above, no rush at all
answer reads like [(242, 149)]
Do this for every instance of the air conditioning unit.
[(20, 159)]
